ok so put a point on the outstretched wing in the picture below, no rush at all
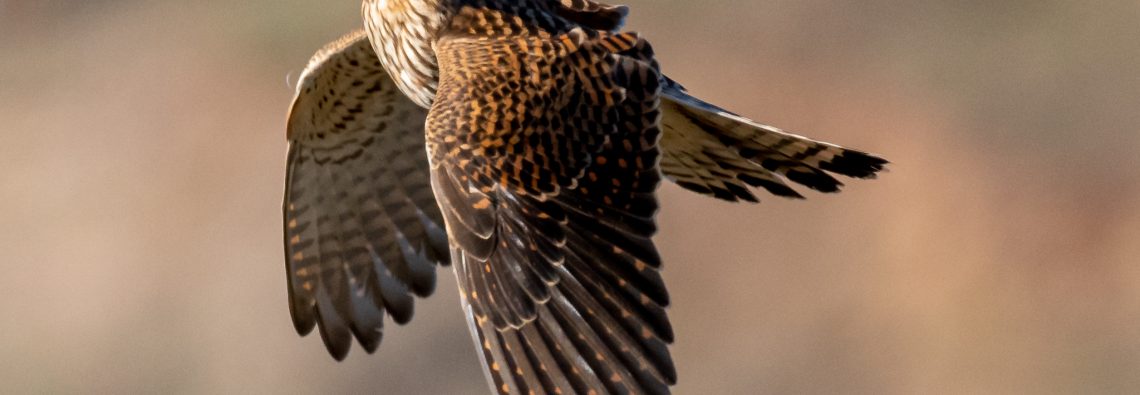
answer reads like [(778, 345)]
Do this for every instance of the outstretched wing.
[(362, 230), (544, 160), (709, 150)]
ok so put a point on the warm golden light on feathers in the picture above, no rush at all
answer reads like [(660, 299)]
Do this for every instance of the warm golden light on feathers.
[(548, 134)]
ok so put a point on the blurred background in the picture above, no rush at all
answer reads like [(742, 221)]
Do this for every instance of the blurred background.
[(142, 161)]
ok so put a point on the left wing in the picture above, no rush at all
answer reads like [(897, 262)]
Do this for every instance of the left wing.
[(709, 150), (362, 230), (544, 161)]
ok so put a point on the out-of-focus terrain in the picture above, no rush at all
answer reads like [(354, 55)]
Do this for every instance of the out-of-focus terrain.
[(142, 158)]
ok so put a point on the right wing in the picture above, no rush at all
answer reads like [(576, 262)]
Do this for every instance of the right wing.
[(362, 230), (544, 154)]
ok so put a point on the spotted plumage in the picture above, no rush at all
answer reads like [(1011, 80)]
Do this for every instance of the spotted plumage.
[(521, 142)]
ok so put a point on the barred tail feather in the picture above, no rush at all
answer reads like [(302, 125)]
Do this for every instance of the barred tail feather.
[(714, 152)]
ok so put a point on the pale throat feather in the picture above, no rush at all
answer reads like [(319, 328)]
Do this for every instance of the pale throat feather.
[(403, 33)]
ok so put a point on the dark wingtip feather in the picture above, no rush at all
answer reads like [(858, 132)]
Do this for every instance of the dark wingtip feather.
[(338, 354), (855, 164), (369, 338), (701, 189), (731, 192), (724, 194), (816, 180), (773, 187), (742, 193), (301, 312), (304, 326), (371, 343), (423, 282), (337, 338)]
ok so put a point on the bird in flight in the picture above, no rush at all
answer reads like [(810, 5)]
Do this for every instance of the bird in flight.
[(520, 142)]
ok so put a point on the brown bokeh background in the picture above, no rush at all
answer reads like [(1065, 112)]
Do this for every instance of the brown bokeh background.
[(142, 162)]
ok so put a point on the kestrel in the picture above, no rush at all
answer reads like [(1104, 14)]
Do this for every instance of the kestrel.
[(522, 143)]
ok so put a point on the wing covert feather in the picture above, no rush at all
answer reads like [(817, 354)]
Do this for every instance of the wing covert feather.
[(563, 294)]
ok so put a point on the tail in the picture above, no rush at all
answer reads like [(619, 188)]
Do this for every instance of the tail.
[(714, 152)]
